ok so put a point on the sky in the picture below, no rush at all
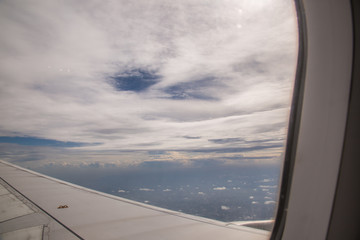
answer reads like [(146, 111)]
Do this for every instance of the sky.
[(127, 82)]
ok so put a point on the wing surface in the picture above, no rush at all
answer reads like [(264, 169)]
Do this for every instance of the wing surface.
[(35, 206)]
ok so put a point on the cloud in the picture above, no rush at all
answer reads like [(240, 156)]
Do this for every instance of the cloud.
[(266, 180), (191, 137), (226, 140), (146, 189), (239, 149), (225, 208), (196, 89), (268, 186), (100, 72), (219, 188)]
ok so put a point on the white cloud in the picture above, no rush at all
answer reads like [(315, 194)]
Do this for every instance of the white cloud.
[(269, 202), (268, 186), (267, 180), (225, 208), (146, 189), (57, 57), (219, 188)]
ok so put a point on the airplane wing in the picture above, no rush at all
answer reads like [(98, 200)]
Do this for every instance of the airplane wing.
[(35, 206)]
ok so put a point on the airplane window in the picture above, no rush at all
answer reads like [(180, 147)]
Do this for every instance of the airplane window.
[(179, 104)]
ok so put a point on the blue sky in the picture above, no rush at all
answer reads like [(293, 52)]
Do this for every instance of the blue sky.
[(116, 81), (32, 141)]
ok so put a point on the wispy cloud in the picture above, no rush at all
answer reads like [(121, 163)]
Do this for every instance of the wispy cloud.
[(180, 75), (146, 189)]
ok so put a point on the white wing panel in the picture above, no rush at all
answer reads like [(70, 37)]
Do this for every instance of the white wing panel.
[(93, 215)]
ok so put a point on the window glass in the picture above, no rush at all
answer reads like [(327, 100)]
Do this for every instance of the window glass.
[(179, 104)]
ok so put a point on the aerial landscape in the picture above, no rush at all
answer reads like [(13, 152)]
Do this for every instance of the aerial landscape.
[(178, 104), (217, 192)]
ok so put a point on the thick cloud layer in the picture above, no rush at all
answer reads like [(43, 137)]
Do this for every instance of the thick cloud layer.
[(182, 77)]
